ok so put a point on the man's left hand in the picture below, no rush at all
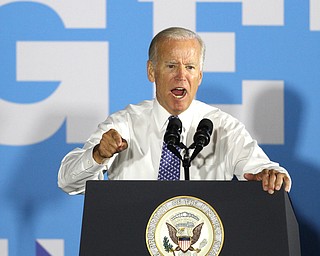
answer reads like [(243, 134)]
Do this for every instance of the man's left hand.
[(271, 180)]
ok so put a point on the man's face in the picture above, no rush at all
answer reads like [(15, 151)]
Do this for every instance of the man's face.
[(176, 73)]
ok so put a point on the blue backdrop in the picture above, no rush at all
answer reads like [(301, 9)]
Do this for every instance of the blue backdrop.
[(65, 65)]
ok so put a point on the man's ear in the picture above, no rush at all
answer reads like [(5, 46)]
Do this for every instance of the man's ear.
[(200, 77), (150, 71)]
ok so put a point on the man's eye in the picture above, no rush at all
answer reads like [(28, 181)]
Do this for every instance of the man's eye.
[(191, 67), (170, 66)]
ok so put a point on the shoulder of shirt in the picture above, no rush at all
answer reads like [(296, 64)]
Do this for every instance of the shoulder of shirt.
[(135, 109), (141, 107), (212, 112), (206, 109)]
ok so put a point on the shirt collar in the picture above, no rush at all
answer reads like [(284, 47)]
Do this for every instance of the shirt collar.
[(161, 116)]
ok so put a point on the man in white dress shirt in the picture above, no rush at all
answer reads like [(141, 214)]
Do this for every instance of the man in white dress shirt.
[(127, 145)]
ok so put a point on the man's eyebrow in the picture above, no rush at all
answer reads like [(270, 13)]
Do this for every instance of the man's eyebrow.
[(171, 62), (176, 62)]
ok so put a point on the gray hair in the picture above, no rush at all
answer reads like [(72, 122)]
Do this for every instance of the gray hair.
[(175, 33)]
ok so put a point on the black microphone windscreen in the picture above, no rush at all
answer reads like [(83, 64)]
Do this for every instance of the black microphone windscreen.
[(204, 130), (206, 124), (172, 134), (176, 122)]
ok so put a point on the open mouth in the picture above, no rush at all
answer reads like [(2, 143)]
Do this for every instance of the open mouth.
[(179, 92)]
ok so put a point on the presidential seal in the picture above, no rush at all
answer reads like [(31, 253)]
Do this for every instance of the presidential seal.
[(184, 225)]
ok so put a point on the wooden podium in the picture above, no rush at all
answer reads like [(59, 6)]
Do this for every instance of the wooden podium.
[(117, 213)]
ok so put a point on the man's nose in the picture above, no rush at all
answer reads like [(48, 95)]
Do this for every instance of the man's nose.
[(181, 73)]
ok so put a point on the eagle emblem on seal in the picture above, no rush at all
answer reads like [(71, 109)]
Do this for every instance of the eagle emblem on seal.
[(182, 238)]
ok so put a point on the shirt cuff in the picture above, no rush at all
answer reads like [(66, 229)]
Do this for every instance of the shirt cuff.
[(90, 164)]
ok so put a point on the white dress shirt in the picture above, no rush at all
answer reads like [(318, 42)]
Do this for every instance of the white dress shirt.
[(231, 150)]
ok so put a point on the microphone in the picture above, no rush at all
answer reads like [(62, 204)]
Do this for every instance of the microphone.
[(172, 135), (202, 136)]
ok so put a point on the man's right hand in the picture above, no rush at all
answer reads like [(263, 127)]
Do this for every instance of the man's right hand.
[(111, 143)]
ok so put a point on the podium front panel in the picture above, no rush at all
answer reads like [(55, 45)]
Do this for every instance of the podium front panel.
[(116, 215)]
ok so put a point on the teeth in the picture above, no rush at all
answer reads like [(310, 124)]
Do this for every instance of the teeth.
[(181, 90)]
